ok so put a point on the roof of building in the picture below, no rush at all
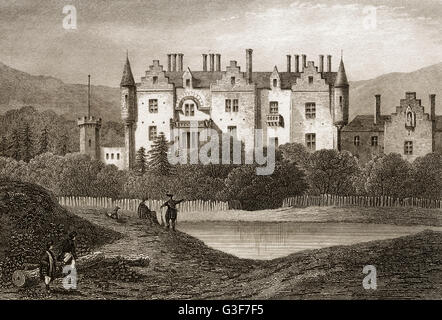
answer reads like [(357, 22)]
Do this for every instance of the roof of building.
[(341, 78), (128, 78), (366, 123), (203, 79)]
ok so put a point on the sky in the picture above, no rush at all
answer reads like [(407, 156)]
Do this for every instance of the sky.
[(376, 37)]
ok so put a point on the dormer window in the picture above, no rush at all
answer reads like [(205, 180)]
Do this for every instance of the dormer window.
[(310, 80), (232, 81), (155, 80), (187, 82), (275, 83)]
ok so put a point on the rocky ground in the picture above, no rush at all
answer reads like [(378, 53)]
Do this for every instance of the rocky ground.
[(182, 267)]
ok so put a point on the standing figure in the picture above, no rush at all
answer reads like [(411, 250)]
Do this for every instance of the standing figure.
[(68, 252), (171, 213), (143, 210), (48, 267)]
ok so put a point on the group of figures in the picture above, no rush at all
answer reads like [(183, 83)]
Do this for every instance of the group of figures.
[(48, 262), (171, 213)]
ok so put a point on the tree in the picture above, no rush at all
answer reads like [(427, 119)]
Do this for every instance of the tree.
[(426, 174), (43, 141), (14, 145), (257, 192), (26, 143), (295, 152), (332, 172), (3, 146), (388, 175), (158, 160), (141, 160)]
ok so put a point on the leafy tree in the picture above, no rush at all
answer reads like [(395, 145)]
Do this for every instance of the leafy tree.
[(295, 152), (332, 172), (426, 175), (3, 146), (263, 191), (388, 175), (141, 160), (43, 141), (158, 160)]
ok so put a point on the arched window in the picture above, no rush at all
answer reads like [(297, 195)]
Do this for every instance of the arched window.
[(341, 102), (275, 82), (90, 142)]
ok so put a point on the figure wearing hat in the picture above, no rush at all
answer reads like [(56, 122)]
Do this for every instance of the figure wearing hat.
[(144, 212), (68, 252), (171, 213)]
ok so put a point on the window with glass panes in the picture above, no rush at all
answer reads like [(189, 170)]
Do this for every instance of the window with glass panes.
[(235, 105), (273, 107), (153, 105), (408, 147), (310, 110), (356, 141), (189, 109), (228, 105), (310, 141), (374, 141), (152, 132)]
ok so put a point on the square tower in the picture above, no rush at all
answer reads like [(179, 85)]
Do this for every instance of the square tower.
[(90, 136)]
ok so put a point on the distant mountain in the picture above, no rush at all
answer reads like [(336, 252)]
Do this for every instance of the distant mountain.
[(392, 88), (18, 89)]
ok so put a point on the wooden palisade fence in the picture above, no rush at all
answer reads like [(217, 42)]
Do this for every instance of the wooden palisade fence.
[(326, 200), (132, 204)]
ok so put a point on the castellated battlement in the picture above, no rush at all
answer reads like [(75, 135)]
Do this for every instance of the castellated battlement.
[(91, 120)]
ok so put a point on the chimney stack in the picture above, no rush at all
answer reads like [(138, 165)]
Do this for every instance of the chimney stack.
[(329, 63), (304, 62), (212, 62), (204, 62), (321, 63), (180, 61), (174, 62), (169, 62), (377, 109), (433, 106), (289, 63), (249, 65), (297, 63), (218, 62)]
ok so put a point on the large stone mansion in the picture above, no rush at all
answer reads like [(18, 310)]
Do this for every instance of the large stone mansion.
[(307, 103)]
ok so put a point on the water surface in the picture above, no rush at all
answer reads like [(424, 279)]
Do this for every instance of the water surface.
[(269, 240)]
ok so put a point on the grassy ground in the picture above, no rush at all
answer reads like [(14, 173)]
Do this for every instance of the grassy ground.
[(183, 267), (397, 216)]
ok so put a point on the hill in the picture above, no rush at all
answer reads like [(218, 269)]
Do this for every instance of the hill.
[(18, 89), (392, 87), (30, 216)]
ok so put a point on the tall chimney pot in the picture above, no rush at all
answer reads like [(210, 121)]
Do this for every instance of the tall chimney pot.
[(204, 62), (321, 63), (329, 62), (377, 109), (180, 61), (169, 62), (289, 63), (296, 63), (218, 62), (174, 62), (304, 62), (212, 62), (249, 65), (433, 106)]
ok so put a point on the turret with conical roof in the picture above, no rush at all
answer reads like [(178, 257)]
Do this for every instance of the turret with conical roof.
[(128, 92), (341, 77), (341, 97), (127, 80)]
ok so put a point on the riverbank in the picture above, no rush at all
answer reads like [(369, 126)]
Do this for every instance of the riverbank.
[(351, 214), (183, 267)]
